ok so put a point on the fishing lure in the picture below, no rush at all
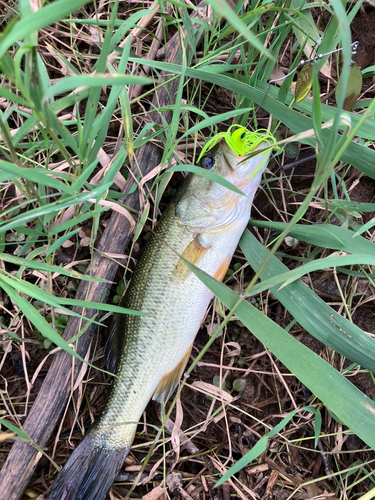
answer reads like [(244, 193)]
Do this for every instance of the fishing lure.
[(304, 79), (242, 142)]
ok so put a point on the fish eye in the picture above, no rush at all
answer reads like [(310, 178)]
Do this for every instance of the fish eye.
[(243, 135), (207, 162)]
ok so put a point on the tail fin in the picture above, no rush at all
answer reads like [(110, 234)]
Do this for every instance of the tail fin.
[(89, 473)]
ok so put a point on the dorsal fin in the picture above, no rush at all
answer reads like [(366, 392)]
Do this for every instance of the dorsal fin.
[(170, 380)]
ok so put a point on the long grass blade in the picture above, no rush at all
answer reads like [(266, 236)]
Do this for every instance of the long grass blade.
[(311, 312), (348, 403)]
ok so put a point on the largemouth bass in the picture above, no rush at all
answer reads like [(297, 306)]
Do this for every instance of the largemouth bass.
[(203, 225)]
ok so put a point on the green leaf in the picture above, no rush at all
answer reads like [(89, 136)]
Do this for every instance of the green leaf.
[(365, 227), (52, 208), (257, 449), (361, 157), (289, 276), (73, 222), (365, 131), (349, 206), (42, 266), (39, 294), (24, 437), (311, 312), (19, 432), (38, 20), (141, 222), (355, 409), (353, 88), (324, 235), (213, 120), (223, 9), (37, 175), (204, 173), (38, 321), (239, 384), (70, 83), (95, 91), (59, 241)]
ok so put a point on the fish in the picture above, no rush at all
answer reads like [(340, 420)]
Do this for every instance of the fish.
[(148, 354)]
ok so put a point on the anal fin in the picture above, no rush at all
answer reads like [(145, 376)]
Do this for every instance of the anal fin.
[(170, 380)]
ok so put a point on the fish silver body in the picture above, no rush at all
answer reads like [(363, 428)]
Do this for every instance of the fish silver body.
[(203, 224)]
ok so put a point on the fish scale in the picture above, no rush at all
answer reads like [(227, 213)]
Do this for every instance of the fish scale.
[(202, 225), (144, 360)]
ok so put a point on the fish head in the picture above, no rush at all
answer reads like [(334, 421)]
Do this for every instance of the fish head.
[(208, 205)]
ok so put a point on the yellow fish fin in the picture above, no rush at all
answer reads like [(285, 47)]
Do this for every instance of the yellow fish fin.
[(170, 380), (223, 268), (193, 252)]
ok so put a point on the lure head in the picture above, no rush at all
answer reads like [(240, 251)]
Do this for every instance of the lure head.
[(208, 205)]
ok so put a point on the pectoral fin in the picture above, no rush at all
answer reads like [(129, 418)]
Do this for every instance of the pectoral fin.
[(192, 253), (223, 268), (170, 380)]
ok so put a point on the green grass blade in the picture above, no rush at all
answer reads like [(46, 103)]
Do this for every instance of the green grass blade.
[(351, 406), (41, 295), (70, 83), (206, 174), (52, 208), (125, 26), (289, 276), (94, 94), (324, 235), (259, 448), (361, 157), (24, 437), (214, 120), (125, 104), (311, 312), (42, 266), (38, 175), (59, 241), (100, 306), (349, 206), (223, 9), (72, 222), (19, 432), (38, 20), (38, 321)]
